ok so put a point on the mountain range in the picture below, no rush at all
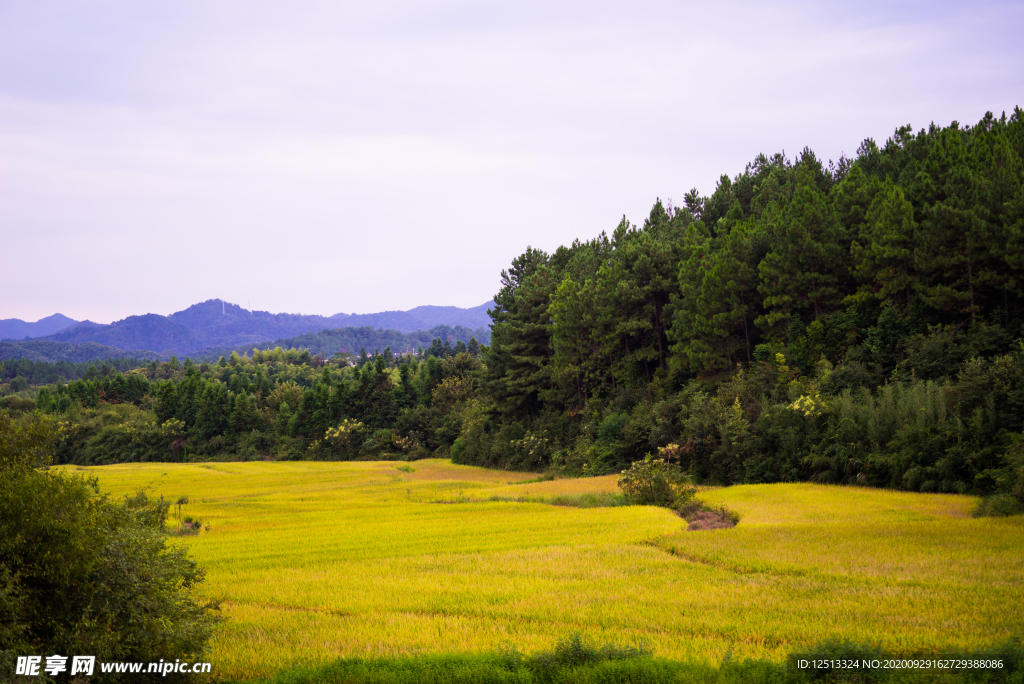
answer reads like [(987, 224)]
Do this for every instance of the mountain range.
[(219, 324), (17, 329)]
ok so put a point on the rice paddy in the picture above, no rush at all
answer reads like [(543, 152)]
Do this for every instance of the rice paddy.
[(313, 561)]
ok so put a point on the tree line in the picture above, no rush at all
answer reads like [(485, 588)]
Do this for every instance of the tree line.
[(350, 339), (273, 403), (855, 322), (22, 372)]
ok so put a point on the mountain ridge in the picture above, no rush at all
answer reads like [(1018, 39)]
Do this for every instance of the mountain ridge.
[(216, 323), (17, 329)]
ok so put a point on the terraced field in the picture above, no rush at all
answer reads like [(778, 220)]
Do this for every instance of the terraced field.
[(316, 560)]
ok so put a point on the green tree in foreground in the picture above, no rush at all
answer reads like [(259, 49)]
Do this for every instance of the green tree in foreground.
[(83, 575)]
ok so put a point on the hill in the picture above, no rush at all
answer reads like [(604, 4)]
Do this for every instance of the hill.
[(401, 321), (475, 317), (153, 332), (422, 318), (17, 329), (351, 340), (218, 323), (53, 352)]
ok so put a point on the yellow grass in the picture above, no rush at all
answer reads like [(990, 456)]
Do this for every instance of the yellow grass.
[(319, 560)]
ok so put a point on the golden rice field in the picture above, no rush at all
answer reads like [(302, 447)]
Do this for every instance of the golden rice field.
[(317, 560)]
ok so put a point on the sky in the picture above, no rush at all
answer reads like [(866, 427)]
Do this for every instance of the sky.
[(326, 157)]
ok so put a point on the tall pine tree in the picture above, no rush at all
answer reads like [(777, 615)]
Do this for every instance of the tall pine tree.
[(800, 276)]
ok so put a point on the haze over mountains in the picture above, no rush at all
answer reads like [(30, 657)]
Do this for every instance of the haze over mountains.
[(215, 323)]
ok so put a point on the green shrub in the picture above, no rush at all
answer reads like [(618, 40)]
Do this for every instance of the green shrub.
[(82, 574), (654, 482), (998, 506), (610, 430)]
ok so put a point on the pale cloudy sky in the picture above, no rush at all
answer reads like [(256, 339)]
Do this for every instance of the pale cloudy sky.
[(319, 157)]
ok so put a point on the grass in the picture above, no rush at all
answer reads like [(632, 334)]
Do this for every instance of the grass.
[(578, 661), (316, 561), (580, 500)]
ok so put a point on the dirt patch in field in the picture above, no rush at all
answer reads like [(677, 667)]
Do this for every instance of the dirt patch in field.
[(709, 520)]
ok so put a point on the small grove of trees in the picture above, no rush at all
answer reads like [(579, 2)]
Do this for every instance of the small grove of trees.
[(82, 574)]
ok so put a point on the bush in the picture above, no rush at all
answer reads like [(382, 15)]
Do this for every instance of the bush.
[(16, 405), (82, 574), (577, 651), (998, 506), (654, 482)]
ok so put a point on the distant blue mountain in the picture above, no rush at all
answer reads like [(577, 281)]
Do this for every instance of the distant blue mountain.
[(218, 324), (17, 329), (153, 332)]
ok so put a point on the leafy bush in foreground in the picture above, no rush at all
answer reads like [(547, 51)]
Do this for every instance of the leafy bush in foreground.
[(655, 482), (83, 575)]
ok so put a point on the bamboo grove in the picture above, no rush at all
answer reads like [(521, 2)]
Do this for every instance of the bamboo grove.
[(857, 322)]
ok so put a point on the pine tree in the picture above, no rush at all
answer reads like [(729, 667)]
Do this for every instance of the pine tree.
[(520, 352), (1000, 179), (243, 415), (718, 301), (851, 200), (581, 361), (801, 274), (947, 254), (634, 289), (884, 254)]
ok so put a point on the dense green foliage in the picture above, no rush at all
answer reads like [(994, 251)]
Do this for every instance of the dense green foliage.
[(275, 403), (57, 352), (82, 574), (849, 323), (44, 373)]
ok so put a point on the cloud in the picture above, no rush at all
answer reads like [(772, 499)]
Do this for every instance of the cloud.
[(373, 156)]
